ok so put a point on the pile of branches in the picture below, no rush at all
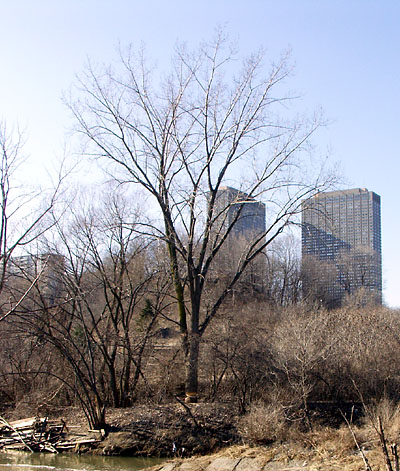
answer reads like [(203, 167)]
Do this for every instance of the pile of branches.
[(37, 434)]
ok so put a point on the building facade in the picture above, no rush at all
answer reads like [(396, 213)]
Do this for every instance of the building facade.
[(239, 220), (341, 244), (245, 214)]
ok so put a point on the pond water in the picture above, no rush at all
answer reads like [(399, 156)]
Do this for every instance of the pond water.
[(20, 461)]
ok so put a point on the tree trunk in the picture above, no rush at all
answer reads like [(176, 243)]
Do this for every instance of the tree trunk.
[(99, 420), (192, 368)]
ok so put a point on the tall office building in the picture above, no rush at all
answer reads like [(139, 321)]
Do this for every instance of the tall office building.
[(341, 244), (244, 217), (243, 211)]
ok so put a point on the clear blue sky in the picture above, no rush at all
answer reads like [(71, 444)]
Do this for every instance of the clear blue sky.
[(346, 55)]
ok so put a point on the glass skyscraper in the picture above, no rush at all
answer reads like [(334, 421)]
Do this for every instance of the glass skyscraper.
[(341, 244), (243, 212)]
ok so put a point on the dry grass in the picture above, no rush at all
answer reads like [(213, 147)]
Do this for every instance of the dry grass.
[(389, 414), (293, 455), (325, 448), (266, 424), (327, 442)]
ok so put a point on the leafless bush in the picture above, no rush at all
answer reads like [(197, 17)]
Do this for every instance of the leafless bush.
[(302, 354), (266, 423), (365, 340), (236, 357)]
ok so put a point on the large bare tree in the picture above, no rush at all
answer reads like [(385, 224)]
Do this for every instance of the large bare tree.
[(211, 122)]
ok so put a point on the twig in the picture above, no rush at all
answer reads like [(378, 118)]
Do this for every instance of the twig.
[(395, 456), (382, 440), (361, 451), (11, 311), (188, 411)]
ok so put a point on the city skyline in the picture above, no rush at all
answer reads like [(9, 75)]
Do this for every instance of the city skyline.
[(343, 62)]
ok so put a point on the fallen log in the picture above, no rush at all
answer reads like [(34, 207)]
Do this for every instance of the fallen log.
[(73, 443)]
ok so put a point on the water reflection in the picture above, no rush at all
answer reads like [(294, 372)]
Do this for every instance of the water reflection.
[(20, 461)]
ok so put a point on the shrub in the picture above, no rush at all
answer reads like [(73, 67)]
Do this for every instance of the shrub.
[(265, 424)]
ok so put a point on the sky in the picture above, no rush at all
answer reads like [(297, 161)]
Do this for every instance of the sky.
[(346, 56)]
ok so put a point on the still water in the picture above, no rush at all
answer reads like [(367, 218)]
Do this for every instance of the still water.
[(20, 461)]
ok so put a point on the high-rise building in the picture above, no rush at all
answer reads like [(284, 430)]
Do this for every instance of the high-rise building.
[(243, 212), (244, 217), (341, 244)]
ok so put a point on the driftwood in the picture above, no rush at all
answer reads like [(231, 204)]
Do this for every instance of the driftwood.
[(40, 434)]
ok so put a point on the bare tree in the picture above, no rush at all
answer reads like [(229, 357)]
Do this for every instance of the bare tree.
[(356, 269), (283, 278), (237, 354), (22, 210), (319, 281), (349, 277), (104, 314), (206, 125)]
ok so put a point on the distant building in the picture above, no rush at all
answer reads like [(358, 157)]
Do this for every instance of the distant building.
[(341, 234), (243, 212), (244, 217)]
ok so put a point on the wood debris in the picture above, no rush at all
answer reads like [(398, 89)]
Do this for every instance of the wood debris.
[(41, 434)]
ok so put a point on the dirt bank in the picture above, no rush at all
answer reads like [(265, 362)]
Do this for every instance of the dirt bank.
[(170, 430)]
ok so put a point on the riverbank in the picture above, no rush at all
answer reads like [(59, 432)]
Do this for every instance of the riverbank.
[(290, 456), (212, 437), (169, 430)]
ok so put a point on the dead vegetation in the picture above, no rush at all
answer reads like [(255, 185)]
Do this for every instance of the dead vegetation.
[(285, 376)]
